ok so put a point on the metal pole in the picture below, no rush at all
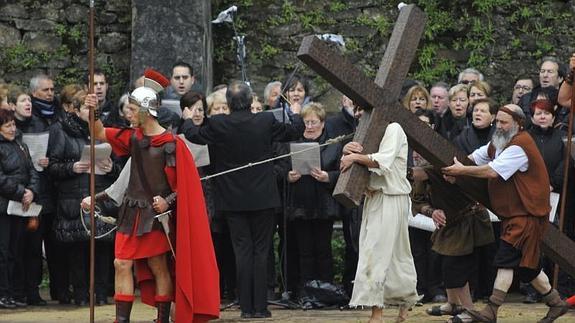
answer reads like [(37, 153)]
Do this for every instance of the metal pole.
[(566, 164), (92, 159)]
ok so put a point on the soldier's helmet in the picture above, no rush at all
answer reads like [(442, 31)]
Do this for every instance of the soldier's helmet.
[(147, 97)]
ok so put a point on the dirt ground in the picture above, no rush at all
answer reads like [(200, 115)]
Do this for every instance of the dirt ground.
[(511, 312)]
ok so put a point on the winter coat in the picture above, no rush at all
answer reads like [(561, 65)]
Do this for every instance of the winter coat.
[(46, 196), (67, 140), (17, 172), (472, 138), (550, 144), (308, 198)]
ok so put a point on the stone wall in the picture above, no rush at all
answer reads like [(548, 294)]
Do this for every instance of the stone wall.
[(503, 38), (51, 36)]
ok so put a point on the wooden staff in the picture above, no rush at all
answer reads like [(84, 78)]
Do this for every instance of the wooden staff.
[(566, 164), (92, 159)]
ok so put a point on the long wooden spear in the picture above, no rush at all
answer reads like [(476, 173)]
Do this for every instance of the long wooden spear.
[(566, 167), (92, 159)]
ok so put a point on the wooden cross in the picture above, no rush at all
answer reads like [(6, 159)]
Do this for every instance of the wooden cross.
[(383, 97)]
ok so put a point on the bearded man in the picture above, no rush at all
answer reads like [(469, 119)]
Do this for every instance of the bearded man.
[(158, 159), (519, 193)]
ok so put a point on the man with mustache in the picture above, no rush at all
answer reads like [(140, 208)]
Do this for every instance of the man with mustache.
[(516, 173)]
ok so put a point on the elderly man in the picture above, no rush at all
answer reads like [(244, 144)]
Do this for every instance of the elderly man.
[(272, 92), (469, 75), (518, 187), (551, 74)]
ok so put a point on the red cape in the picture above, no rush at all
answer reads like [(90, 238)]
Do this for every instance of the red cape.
[(196, 288)]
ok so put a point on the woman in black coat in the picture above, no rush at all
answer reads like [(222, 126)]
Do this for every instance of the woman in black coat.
[(72, 179), (311, 209), (18, 182), (481, 129), (548, 140)]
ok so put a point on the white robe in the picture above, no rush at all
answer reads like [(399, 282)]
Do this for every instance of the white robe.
[(385, 271)]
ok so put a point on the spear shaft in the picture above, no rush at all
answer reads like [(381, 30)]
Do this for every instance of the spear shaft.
[(566, 167), (92, 159)]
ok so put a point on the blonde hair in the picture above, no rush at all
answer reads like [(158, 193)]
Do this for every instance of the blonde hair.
[(417, 89), (458, 88), (482, 86), (215, 97), (313, 108), (78, 99)]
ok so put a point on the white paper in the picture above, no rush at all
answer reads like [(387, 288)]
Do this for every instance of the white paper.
[(422, 222), (554, 199), (200, 152), (117, 190), (37, 145), (15, 208), (304, 162), (102, 151), (280, 114)]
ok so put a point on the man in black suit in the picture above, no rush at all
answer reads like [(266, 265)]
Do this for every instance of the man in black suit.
[(246, 198)]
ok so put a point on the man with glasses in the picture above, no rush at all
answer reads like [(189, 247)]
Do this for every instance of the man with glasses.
[(469, 75), (551, 74), (523, 85)]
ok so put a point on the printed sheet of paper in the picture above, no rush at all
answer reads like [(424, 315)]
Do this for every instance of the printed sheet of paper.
[(15, 208), (422, 222), (306, 161), (38, 145), (280, 115), (102, 152), (200, 152)]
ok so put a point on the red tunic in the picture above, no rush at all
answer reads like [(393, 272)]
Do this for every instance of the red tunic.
[(153, 243), (196, 286)]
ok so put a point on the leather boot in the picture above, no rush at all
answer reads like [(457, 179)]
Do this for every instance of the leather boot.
[(163, 312), (489, 312), (557, 306), (123, 310)]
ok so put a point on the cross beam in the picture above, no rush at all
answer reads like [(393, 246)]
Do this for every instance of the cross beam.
[(345, 77)]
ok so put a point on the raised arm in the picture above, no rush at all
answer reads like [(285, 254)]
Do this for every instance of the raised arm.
[(566, 89), (99, 131)]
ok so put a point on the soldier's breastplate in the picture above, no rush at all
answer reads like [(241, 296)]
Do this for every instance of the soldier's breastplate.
[(137, 205)]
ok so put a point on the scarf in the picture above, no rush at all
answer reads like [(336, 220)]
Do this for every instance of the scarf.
[(46, 108)]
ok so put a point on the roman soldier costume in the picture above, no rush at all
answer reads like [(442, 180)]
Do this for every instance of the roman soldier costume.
[(163, 166)]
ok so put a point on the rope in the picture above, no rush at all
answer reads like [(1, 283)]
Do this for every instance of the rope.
[(97, 215), (328, 142)]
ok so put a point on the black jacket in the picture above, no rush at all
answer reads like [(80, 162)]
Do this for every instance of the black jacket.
[(341, 124), (67, 140), (550, 144), (236, 140), (17, 172), (46, 196), (472, 138), (309, 198), (450, 127)]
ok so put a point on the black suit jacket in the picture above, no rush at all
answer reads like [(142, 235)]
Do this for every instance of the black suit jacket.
[(236, 140)]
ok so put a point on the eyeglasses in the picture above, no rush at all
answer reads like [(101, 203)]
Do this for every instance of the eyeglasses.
[(524, 88), (311, 123)]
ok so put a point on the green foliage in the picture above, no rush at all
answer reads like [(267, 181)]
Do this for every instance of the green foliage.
[(486, 6), (269, 51), (337, 6), (380, 23)]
